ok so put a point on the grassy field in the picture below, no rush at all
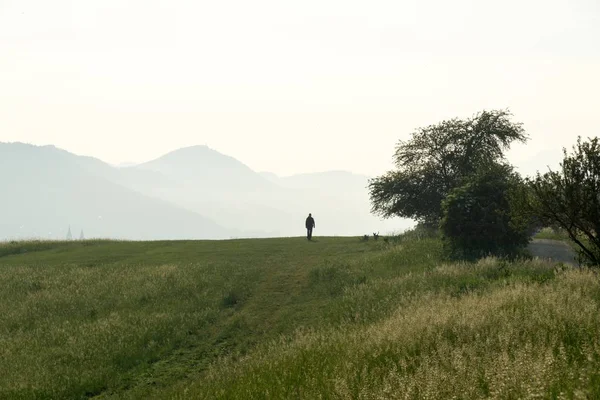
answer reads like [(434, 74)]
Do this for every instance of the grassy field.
[(285, 318)]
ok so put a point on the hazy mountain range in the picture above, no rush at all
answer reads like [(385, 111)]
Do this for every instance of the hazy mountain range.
[(190, 193)]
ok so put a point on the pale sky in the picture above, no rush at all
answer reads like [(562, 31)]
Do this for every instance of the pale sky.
[(293, 86)]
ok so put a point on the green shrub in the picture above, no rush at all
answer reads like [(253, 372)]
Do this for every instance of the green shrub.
[(480, 218)]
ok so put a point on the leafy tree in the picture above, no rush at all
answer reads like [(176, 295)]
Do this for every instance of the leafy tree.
[(481, 217), (570, 198), (437, 159)]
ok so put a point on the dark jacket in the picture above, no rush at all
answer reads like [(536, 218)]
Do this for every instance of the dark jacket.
[(310, 223)]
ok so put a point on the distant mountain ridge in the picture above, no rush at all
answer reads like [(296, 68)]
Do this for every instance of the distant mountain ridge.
[(194, 192), (46, 190), (234, 195), (203, 165)]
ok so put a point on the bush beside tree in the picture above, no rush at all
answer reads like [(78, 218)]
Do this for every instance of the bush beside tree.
[(481, 217), (438, 159), (454, 173)]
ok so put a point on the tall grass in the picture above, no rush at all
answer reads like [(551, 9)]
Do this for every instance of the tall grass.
[(72, 331), (517, 338), (287, 318), (79, 319)]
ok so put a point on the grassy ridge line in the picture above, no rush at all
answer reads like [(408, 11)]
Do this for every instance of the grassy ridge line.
[(23, 247), (517, 338)]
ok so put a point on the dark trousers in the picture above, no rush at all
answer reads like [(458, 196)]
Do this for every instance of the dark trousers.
[(309, 233)]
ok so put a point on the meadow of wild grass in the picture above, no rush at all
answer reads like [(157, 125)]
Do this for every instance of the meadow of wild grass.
[(286, 318), (515, 339), (79, 319)]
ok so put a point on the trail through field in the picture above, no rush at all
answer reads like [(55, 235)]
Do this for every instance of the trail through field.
[(554, 250)]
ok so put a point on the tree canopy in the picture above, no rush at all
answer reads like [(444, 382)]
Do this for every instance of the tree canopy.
[(439, 158), (570, 197)]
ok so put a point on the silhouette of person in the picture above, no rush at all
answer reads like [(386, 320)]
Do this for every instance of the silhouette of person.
[(310, 224)]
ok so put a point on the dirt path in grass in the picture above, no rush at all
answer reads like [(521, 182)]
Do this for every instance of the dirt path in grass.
[(554, 250)]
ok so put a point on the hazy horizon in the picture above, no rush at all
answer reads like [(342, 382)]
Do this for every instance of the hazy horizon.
[(293, 87), (126, 164), (287, 88), (538, 162), (192, 193)]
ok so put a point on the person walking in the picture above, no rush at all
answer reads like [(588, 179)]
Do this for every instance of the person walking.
[(310, 224)]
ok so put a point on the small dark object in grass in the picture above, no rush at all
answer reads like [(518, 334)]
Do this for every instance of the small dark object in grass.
[(231, 299)]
